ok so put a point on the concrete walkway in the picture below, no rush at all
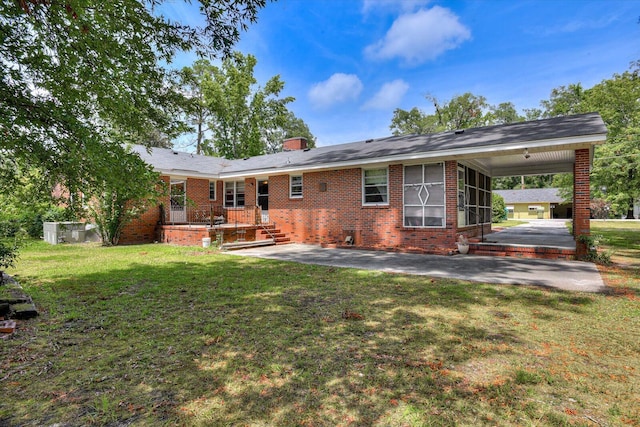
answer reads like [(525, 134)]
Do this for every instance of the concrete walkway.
[(538, 232), (564, 275)]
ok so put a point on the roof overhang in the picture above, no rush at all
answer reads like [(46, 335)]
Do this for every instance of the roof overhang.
[(541, 157)]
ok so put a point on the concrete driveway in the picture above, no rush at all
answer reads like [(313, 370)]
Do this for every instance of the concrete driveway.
[(537, 232), (564, 275)]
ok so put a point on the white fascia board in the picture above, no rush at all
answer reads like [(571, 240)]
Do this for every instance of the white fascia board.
[(186, 173), (453, 154)]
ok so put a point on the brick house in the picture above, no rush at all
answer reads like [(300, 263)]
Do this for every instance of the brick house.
[(414, 192)]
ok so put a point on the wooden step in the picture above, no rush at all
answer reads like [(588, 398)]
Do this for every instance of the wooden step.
[(245, 244)]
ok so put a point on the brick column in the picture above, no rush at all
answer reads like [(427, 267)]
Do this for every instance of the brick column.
[(451, 196), (250, 192), (581, 200)]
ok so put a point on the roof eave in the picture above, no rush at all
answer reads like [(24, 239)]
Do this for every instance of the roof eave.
[(554, 144)]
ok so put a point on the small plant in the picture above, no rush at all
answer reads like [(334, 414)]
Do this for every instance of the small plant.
[(593, 254)]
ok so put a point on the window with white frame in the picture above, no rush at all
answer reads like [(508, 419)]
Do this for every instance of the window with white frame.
[(233, 194), (375, 184), (295, 186), (424, 198), (212, 190)]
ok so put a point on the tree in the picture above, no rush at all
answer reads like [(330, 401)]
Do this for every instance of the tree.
[(242, 114), (461, 112), (117, 200), (412, 122), (615, 176), (504, 114), (291, 127), (197, 114), (616, 170), (78, 78)]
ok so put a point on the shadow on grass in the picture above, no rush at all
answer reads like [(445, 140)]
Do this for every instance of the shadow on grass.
[(224, 340)]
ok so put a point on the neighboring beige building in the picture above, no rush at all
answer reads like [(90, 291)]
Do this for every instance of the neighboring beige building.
[(535, 203)]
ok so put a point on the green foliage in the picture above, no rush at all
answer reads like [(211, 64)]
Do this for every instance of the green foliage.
[(412, 122), (498, 208), (616, 170), (118, 200), (592, 242), (516, 182), (8, 255), (241, 113), (461, 112), (291, 127), (615, 175), (77, 78), (231, 116)]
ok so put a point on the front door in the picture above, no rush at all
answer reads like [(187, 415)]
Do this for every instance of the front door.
[(178, 196), (263, 199)]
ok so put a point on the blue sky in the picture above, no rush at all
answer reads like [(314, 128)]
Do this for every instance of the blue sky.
[(351, 63)]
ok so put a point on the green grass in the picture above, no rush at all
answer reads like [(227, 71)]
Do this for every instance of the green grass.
[(164, 335), (620, 237)]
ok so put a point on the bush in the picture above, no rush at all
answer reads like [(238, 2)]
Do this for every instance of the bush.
[(32, 222), (593, 255), (8, 255), (498, 208)]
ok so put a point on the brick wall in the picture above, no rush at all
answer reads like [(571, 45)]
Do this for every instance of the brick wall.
[(581, 199), (331, 209), (145, 229)]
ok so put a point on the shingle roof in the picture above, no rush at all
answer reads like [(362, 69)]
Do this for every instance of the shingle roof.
[(530, 195), (394, 148), (180, 163)]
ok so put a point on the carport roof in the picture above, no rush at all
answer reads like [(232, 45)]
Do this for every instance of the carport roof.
[(499, 150)]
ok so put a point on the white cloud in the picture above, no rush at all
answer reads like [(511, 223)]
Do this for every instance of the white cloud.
[(338, 88), (420, 36), (389, 95)]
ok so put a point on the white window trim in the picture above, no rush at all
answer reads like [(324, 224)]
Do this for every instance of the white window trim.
[(296, 196), (364, 202), (444, 205), (215, 190), (235, 195)]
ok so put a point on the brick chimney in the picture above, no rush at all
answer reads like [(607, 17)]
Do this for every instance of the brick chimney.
[(297, 143)]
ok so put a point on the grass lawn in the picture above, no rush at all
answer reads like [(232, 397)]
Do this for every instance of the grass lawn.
[(164, 335)]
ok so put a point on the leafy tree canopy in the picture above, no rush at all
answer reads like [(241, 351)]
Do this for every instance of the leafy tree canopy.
[(231, 115), (461, 112), (79, 78)]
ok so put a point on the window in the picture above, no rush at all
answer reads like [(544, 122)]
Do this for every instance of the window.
[(477, 197), (295, 186), (234, 194), (212, 190), (375, 186), (424, 204)]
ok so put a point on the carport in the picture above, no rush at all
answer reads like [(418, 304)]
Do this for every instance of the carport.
[(564, 145)]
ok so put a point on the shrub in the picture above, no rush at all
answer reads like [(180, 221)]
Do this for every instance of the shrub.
[(498, 208)]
